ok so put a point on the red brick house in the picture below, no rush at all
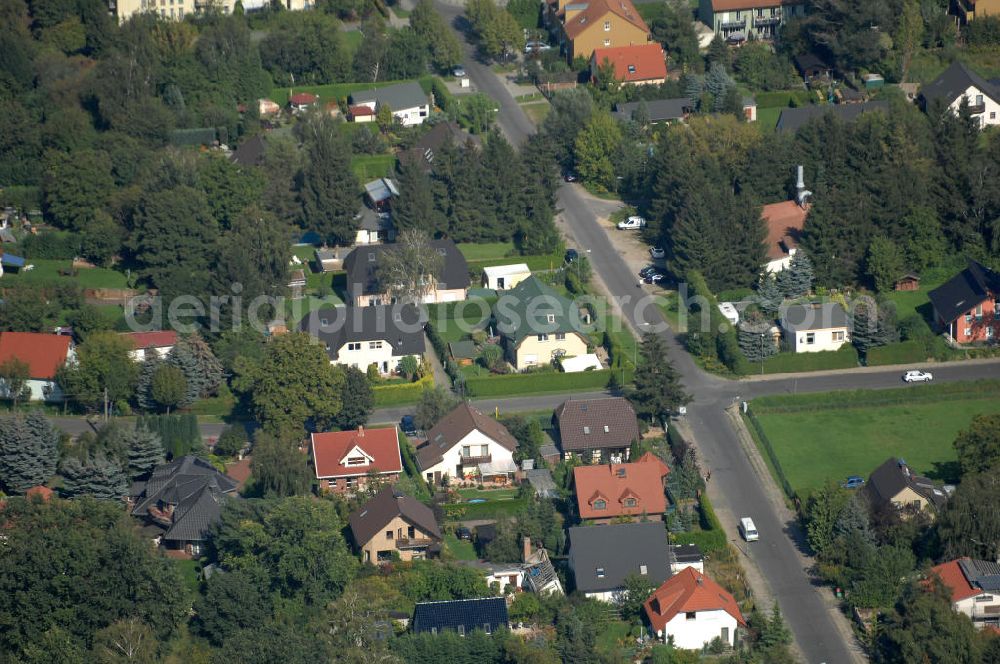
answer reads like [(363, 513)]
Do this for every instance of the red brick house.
[(967, 305), (344, 460), (612, 491), (640, 64)]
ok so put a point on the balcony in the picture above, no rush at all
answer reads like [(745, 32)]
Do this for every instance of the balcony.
[(975, 109), (766, 22), (413, 543), (476, 460), (733, 25)]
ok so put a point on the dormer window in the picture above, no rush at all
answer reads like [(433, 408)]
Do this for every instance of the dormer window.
[(600, 572), (631, 69), (356, 461), (600, 504), (642, 570), (630, 502), (620, 473), (586, 430)]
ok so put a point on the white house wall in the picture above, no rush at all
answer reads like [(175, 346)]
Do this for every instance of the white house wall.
[(990, 116), (476, 439), (822, 340), (694, 634), (366, 356), (977, 609)]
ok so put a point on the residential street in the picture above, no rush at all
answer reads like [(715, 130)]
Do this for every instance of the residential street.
[(821, 633)]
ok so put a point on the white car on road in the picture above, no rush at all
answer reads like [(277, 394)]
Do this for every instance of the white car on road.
[(916, 376), (657, 252), (633, 223)]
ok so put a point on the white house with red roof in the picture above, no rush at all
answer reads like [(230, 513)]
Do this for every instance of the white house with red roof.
[(44, 354), (148, 344), (638, 64), (975, 588), (694, 610), (344, 459)]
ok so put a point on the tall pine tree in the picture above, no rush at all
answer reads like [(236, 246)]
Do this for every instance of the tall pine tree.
[(29, 451), (145, 451), (97, 476), (328, 188), (658, 392)]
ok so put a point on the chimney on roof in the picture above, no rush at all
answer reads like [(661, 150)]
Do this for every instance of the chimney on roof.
[(526, 544), (801, 193), (361, 431)]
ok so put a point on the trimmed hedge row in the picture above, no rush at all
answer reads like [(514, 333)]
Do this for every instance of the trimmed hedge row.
[(718, 341), (526, 383), (711, 537), (845, 358), (897, 353), (401, 393), (787, 403)]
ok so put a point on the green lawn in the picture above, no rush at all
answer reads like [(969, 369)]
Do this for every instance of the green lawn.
[(536, 111), (373, 166), (845, 358), (190, 571), (487, 494), (352, 39), (486, 251), (461, 549), (47, 271), (489, 510), (816, 445), (767, 118)]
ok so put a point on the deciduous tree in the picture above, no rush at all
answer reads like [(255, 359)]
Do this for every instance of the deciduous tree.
[(978, 446), (435, 403), (411, 268), (357, 398)]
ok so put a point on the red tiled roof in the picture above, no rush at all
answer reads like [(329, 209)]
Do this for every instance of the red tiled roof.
[(641, 62), (43, 353), (154, 339), (301, 98), (615, 482), (785, 222), (954, 580), (689, 591), (380, 445), (355, 111), (596, 10), (43, 491)]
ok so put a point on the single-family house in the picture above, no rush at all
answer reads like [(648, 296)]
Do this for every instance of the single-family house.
[(656, 110), (329, 260), (683, 556), (958, 84), (409, 104), (267, 107), (504, 575), (467, 444), (461, 615), (969, 10), (586, 25), (374, 227), (181, 500), (364, 288), (156, 343), (967, 306), (785, 222), (344, 460), (639, 64), (424, 151), (600, 557), (538, 325), (505, 277), (692, 610), (815, 327), (793, 119), (894, 485), (622, 491), (250, 152), (739, 20), (362, 336), (394, 524), (975, 588), (302, 101), (596, 430), (44, 354)]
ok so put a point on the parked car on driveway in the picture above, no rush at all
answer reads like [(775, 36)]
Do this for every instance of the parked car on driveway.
[(463, 533), (534, 46), (458, 71), (657, 252), (654, 278), (633, 223), (648, 270), (917, 376), (571, 255), (570, 176), (408, 425), (853, 482)]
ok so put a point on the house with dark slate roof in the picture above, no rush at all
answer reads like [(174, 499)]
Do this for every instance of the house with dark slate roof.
[(393, 523), (601, 557), (958, 83), (467, 445), (815, 327), (409, 104), (894, 485), (657, 110), (597, 430), (181, 500), (967, 306), (461, 615), (364, 289), (362, 336), (425, 151), (539, 325), (793, 119)]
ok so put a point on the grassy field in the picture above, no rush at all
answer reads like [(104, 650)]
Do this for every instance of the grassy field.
[(370, 167), (352, 39), (487, 494), (767, 118), (536, 111), (189, 571), (815, 444), (486, 251), (47, 271), (461, 549), (927, 65), (489, 510)]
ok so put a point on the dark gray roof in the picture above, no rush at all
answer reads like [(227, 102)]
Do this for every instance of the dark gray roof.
[(361, 276), (488, 613), (250, 152), (964, 291), (983, 574), (582, 424), (541, 480), (456, 425), (793, 119), (369, 519), (806, 61), (619, 550), (893, 476), (397, 97), (424, 151), (954, 81), (370, 220), (195, 490), (686, 553), (817, 316), (660, 110), (400, 325)]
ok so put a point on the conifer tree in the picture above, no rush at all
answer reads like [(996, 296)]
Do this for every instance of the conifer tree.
[(97, 476), (800, 274), (29, 451), (658, 392), (754, 335), (145, 382), (769, 296), (145, 451), (201, 368)]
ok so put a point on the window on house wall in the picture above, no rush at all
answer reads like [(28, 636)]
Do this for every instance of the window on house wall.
[(690, 615), (560, 336), (484, 450), (354, 346), (543, 337), (466, 450), (968, 331), (811, 338), (838, 336), (551, 318), (374, 345), (607, 42), (388, 534), (607, 26)]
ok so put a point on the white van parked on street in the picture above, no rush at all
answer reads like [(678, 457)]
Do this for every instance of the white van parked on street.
[(748, 530)]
